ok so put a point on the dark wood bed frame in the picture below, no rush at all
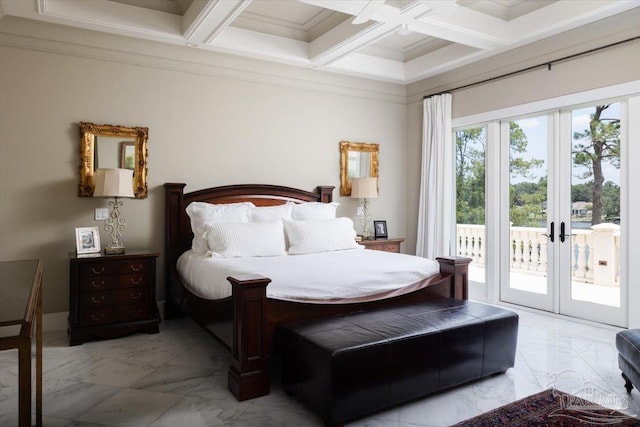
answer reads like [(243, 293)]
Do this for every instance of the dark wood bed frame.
[(245, 322)]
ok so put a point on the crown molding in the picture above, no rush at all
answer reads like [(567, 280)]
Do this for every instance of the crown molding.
[(58, 39)]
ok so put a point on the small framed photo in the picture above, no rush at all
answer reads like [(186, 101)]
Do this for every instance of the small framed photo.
[(380, 229), (87, 240)]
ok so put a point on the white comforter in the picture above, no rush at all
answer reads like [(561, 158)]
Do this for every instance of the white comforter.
[(325, 276)]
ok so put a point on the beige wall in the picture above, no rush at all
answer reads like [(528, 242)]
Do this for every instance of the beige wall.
[(213, 120)]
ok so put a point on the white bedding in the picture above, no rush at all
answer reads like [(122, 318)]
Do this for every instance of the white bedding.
[(319, 277)]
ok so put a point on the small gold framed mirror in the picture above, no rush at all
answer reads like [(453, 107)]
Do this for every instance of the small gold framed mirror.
[(357, 160), (111, 146)]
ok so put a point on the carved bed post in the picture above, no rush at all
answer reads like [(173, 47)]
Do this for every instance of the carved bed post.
[(249, 374), (174, 204), (459, 268), (325, 192)]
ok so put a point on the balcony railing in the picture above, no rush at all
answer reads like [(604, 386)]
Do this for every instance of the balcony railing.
[(595, 253)]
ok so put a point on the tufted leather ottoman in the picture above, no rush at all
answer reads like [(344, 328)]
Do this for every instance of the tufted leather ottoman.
[(628, 345), (349, 366)]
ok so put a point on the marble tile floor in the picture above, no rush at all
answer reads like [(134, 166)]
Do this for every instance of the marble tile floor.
[(177, 378)]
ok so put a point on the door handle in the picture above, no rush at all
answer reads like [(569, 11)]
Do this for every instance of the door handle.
[(551, 233), (562, 234)]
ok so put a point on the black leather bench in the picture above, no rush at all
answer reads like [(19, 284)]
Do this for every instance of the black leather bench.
[(628, 345), (349, 366)]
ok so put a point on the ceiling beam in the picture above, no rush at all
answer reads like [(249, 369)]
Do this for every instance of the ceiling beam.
[(459, 25), (367, 12), (206, 19), (471, 28), (346, 38)]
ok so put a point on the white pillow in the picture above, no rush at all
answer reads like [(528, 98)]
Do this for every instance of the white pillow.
[(270, 213), (320, 235), (314, 210), (249, 239), (201, 213)]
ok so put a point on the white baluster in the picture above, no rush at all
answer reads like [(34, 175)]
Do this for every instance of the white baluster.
[(544, 247), (581, 257), (535, 252)]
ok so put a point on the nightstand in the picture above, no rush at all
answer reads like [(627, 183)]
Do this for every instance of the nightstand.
[(112, 295), (387, 245)]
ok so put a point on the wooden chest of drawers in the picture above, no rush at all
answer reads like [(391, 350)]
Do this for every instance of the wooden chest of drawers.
[(112, 295), (387, 245)]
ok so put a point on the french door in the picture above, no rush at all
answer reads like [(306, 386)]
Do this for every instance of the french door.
[(528, 231), (560, 212)]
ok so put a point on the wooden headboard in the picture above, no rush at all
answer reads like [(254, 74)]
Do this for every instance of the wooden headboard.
[(178, 235)]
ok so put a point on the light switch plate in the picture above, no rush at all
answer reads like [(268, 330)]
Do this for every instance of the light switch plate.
[(359, 211), (101, 214)]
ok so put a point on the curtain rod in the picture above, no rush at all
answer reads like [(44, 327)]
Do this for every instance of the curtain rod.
[(547, 64)]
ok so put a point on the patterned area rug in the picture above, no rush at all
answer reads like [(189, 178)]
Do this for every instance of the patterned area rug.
[(553, 408)]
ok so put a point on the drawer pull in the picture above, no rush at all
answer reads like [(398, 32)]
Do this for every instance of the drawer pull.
[(95, 284), (135, 280), (99, 271), (136, 268), (137, 312), (135, 296), (97, 300), (95, 318)]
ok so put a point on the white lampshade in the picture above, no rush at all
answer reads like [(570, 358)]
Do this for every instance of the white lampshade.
[(364, 188), (113, 183)]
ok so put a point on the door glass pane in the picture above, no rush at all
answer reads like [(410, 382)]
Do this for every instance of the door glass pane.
[(528, 204), (470, 203), (595, 204)]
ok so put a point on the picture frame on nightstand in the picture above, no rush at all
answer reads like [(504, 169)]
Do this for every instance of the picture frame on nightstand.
[(380, 230), (87, 240)]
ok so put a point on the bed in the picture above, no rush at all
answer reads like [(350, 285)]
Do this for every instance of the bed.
[(246, 320)]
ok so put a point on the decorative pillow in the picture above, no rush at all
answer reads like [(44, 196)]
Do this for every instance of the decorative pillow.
[(270, 213), (320, 235), (314, 210), (201, 213), (249, 239)]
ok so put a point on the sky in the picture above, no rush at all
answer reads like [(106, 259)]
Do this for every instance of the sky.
[(535, 129)]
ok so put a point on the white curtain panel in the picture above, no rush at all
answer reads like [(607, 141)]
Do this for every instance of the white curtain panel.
[(437, 185)]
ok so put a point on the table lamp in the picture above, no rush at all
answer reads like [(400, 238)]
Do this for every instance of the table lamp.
[(114, 183), (365, 189)]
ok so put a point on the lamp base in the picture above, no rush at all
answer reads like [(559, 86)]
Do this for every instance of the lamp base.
[(114, 250)]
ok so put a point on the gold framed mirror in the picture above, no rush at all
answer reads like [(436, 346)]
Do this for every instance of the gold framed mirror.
[(357, 160), (110, 146)]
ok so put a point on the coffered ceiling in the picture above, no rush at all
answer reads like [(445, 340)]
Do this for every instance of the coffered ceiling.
[(393, 40)]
